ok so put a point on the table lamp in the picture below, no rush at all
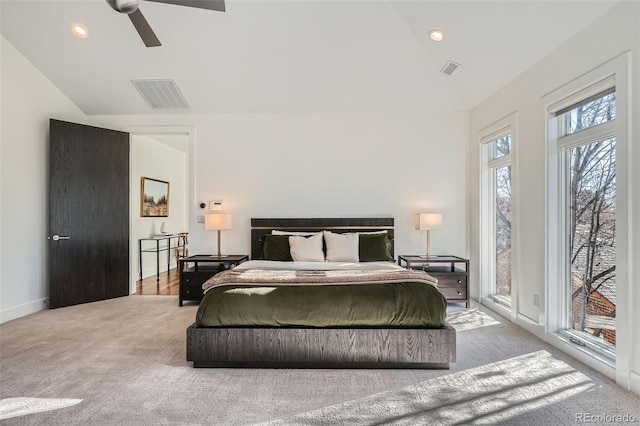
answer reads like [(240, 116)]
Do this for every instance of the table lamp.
[(429, 222), (217, 222)]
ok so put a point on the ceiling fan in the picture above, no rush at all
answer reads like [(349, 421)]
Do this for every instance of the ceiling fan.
[(130, 7)]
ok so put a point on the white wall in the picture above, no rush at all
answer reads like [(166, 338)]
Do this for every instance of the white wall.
[(326, 165), (260, 165), (605, 39), (153, 159), (29, 100)]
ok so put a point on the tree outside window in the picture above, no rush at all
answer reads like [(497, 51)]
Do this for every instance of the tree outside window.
[(592, 224)]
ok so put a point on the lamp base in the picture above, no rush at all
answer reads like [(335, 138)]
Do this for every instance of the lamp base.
[(220, 255)]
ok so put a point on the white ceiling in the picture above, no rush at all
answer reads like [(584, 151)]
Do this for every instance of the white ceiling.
[(294, 56)]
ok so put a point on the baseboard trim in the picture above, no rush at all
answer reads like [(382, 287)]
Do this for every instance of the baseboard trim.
[(520, 320), (152, 272), (531, 326), (634, 379), (19, 311)]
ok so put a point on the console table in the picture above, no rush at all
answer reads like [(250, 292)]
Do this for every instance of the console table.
[(152, 245)]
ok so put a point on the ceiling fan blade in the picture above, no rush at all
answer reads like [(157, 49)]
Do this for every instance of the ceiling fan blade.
[(217, 5), (144, 29)]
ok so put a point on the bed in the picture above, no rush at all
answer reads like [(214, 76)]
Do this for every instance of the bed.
[(367, 312)]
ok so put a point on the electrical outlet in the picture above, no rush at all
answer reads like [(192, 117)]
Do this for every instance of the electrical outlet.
[(536, 300), (200, 219)]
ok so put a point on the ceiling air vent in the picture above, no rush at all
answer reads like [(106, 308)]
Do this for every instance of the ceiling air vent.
[(449, 67), (161, 94)]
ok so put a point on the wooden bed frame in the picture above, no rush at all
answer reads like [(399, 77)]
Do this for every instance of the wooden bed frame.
[(307, 347)]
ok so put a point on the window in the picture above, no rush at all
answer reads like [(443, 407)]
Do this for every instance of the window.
[(592, 224), (588, 113), (502, 220), (589, 193), (587, 152), (496, 201), (589, 279)]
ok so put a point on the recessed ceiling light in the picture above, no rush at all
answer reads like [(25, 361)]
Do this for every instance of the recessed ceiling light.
[(436, 35), (80, 30)]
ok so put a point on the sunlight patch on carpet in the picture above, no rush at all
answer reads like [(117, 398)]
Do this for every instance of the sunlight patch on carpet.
[(484, 395), (14, 407), (469, 319)]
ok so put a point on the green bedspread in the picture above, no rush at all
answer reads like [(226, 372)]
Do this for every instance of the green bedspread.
[(387, 303)]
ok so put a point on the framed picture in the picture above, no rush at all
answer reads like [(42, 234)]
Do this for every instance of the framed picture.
[(154, 198)]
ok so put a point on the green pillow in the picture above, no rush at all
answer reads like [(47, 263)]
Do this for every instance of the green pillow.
[(276, 247), (375, 247)]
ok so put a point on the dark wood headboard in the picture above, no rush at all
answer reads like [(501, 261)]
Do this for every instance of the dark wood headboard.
[(260, 227)]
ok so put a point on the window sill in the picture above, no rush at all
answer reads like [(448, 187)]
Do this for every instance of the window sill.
[(496, 306), (597, 359)]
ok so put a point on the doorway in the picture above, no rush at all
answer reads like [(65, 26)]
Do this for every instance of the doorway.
[(158, 157)]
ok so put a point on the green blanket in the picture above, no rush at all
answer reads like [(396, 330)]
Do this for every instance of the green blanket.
[(383, 302)]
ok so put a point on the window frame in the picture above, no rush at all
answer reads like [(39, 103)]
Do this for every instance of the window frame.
[(613, 73), (488, 165)]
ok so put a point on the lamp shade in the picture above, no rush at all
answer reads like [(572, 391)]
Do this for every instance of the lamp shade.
[(217, 221), (429, 221)]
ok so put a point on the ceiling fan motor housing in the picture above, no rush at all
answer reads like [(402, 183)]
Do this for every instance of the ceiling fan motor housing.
[(124, 6)]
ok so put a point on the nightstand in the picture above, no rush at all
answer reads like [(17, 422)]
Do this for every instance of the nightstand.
[(204, 267), (453, 281)]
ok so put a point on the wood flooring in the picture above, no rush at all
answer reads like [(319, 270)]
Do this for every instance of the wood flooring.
[(168, 284)]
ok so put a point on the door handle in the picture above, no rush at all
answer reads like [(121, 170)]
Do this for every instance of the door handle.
[(58, 237)]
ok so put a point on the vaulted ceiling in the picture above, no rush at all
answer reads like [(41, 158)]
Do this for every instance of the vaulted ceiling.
[(296, 56)]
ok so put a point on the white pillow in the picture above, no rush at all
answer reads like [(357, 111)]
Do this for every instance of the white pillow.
[(304, 234), (342, 247), (306, 249)]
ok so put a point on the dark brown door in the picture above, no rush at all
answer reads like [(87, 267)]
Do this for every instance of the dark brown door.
[(88, 214)]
